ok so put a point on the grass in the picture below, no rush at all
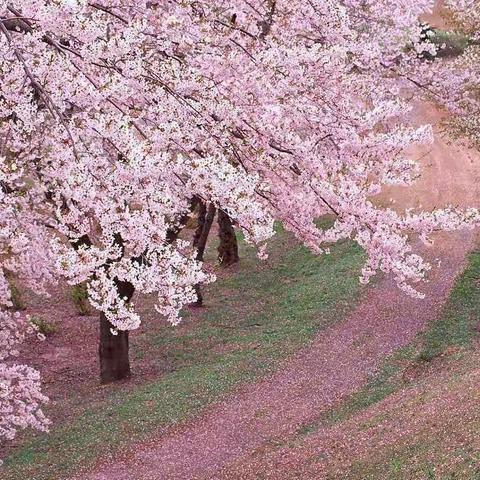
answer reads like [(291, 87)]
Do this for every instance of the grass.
[(254, 320), (43, 326), (420, 458), (430, 455), (79, 297), (380, 386), (451, 44), (456, 327), (16, 297)]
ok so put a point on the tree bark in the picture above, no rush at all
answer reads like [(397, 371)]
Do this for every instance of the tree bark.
[(113, 349), (203, 237), (228, 247), (204, 224)]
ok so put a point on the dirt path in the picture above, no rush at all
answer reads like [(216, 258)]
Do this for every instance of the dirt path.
[(338, 362)]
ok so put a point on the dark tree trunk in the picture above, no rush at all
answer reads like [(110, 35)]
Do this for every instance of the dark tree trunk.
[(228, 247), (113, 349), (203, 237), (201, 216), (204, 224), (113, 353)]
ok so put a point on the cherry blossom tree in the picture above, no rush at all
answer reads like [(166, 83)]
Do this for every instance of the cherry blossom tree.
[(116, 117), (228, 245), (456, 83), (21, 398)]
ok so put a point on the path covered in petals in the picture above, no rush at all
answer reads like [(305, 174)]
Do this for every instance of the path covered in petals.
[(340, 360)]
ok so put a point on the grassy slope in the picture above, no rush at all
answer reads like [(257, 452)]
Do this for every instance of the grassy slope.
[(455, 338), (447, 349), (457, 327), (255, 319), (451, 44)]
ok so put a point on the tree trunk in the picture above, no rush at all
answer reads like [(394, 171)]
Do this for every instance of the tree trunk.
[(201, 215), (113, 349), (207, 225), (228, 247), (205, 220)]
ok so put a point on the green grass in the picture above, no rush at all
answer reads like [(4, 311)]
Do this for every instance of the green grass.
[(451, 44), (455, 327), (79, 297), (422, 459), (380, 386), (253, 320), (396, 468), (43, 326), (17, 299)]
